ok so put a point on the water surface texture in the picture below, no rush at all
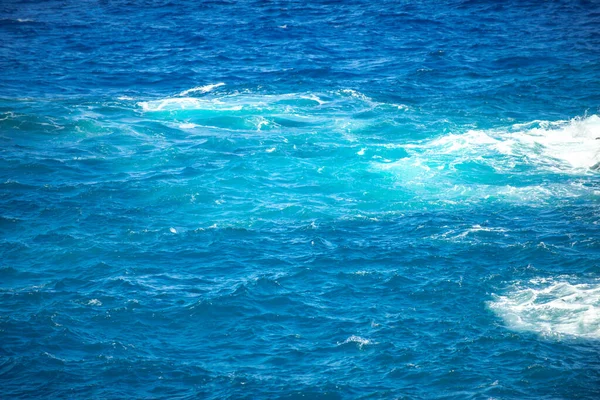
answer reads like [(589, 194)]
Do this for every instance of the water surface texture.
[(292, 200)]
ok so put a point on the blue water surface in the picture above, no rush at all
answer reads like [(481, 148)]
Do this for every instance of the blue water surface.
[(299, 200)]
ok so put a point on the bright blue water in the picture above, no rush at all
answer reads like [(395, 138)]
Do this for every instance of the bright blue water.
[(361, 199)]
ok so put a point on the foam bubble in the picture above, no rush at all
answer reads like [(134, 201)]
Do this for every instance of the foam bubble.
[(552, 308)]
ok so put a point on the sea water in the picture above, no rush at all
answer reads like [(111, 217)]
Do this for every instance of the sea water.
[(299, 200)]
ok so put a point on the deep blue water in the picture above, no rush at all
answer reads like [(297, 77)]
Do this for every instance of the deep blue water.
[(322, 200)]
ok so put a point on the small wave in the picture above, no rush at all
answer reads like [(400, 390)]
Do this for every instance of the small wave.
[(202, 89), (266, 104), (187, 125), (359, 341), (186, 103), (461, 234), (552, 308), (16, 20)]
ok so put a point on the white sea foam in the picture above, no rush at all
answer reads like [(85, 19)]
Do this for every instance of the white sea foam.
[(560, 144), (552, 308), (290, 104), (187, 125), (356, 94), (202, 89), (574, 143), (462, 234), (565, 146), (356, 339), (187, 103), (488, 158), (479, 228)]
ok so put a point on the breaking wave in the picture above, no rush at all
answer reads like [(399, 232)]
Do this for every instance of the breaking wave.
[(552, 308)]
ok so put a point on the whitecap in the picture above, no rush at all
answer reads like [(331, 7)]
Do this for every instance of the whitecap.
[(360, 342), (187, 125), (356, 94), (186, 103), (558, 146), (202, 89), (551, 307), (479, 228)]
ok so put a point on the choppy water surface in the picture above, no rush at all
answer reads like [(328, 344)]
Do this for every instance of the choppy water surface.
[(291, 200)]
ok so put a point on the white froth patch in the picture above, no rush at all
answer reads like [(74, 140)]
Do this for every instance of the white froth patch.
[(94, 302), (187, 126), (356, 94), (202, 89), (470, 233), (552, 308), (435, 168), (561, 146), (479, 228), (360, 342), (186, 103), (314, 97), (573, 142)]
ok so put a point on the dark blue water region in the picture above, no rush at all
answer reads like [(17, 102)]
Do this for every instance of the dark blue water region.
[(291, 200), (514, 58)]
